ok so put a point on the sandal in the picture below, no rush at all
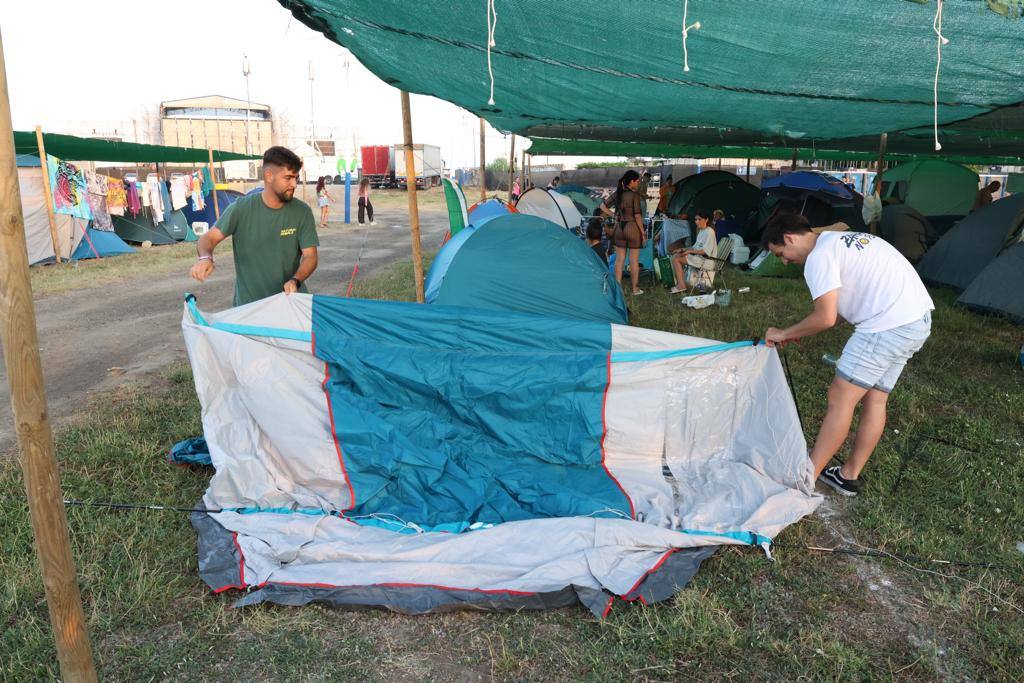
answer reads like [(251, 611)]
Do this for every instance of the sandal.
[(637, 292)]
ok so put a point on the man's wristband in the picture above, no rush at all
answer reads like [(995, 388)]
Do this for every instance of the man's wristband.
[(205, 258), (297, 281)]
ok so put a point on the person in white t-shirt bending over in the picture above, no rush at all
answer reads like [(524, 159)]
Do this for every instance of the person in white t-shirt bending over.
[(864, 280)]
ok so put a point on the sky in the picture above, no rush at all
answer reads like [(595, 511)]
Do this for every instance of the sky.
[(70, 61)]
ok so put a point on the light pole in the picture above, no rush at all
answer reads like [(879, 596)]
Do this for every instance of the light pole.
[(312, 116), (248, 103)]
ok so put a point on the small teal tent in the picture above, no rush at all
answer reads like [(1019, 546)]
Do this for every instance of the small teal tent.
[(488, 208), (99, 243), (524, 263)]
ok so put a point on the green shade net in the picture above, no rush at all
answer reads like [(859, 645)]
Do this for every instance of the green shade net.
[(91, 149), (786, 73)]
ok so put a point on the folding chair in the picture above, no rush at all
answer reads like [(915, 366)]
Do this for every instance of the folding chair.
[(712, 266)]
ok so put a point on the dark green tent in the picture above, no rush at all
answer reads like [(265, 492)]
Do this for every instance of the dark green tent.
[(712, 190)]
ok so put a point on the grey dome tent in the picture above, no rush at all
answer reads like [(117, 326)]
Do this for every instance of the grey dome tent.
[(963, 252), (999, 288), (907, 229)]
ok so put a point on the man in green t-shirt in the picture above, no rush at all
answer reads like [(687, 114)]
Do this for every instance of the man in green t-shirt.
[(275, 237)]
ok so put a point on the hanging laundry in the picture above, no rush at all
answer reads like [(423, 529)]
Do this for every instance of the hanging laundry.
[(117, 198), (207, 182), (97, 185), (178, 193), (134, 199), (156, 203), (70, 191), (198, 200), (144, 194), (165, 198)]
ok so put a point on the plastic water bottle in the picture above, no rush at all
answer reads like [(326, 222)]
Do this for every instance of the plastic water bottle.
[(829, 359)]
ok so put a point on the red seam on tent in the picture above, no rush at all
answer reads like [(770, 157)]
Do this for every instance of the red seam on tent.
[(334, 432), (608, 607), (650, 571), (507, 591), (604, 433), (241, 568)]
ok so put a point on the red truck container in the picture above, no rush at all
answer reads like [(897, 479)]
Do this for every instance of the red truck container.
[(378, 164)]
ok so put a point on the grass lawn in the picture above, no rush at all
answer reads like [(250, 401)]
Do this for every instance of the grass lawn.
[(809, 614)]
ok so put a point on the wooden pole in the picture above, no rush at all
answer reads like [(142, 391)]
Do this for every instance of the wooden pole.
[(748, 170), (878, 176), (511, 165), (410, 185), (796, 153), (530, 168), (213, 192), (28, 402), (483, 164), (48, 192)]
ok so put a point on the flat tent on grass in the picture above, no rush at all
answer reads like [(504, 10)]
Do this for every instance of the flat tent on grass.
[(934, 187), (999, 288), (429, 457), (551, 206), (525, 263), (963, 252), (139, 229)]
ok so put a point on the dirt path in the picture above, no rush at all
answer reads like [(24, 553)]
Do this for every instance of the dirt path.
[(134, 326)]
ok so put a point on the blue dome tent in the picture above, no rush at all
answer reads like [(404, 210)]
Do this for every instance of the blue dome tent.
[(525, 263)]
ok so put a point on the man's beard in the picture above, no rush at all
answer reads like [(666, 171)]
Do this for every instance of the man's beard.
[(285, 196)]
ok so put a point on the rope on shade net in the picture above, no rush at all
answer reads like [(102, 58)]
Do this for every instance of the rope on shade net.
[(492, 23), (940, 40), (686, 31)]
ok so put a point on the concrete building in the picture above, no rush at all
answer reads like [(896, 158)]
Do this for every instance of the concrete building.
[(217, 122)]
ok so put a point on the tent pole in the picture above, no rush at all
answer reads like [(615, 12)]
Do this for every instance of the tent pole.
[(28, 402), (796, 153), (483, 164), (748, 170), (213, 179), (410, 186), (522, 171), (878, 176), (47, 192), (530, 161), (511, 165)]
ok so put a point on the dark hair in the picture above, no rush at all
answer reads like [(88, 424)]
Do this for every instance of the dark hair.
[(627, 177), (782, 224), (320, 182), (364, 181), (702, 213), (595, 228), (283, 158), (647, 174)]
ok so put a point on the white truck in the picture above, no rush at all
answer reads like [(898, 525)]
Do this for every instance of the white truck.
[(429, 167)]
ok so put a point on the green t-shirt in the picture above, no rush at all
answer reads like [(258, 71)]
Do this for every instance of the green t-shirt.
[(267, 244)]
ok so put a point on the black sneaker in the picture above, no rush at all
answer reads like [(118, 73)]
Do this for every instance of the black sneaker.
[(832, 477)]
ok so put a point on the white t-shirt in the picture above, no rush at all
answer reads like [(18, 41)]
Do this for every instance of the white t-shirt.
[(706, 243), (878, 289)]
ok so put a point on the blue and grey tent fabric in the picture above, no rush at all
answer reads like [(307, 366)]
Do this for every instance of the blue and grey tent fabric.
[(484, 210), (225, 198), (525, 263), (192, 451), (963, 252), (425, 457), (439, 266), (100, 243), (820, 198), (999, 288)]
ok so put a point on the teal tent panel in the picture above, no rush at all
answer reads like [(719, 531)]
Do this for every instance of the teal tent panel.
[(100, 243), (139, 229), (448, 417)]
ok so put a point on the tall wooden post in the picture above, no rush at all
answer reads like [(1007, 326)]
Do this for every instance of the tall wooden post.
[(483, 163), (213, 192), (748, 170), (47, 192), (522, 172), (878, 176), (28, 402), (410, 184), (796, 153), (511, 165), (530, 168)]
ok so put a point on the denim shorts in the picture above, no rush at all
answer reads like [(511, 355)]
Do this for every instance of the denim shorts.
[(874, 360)]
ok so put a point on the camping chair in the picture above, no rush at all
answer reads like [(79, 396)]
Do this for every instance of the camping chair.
[(712, 266)]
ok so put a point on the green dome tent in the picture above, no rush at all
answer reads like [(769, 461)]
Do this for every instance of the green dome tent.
[(712, 190), (932, 186)]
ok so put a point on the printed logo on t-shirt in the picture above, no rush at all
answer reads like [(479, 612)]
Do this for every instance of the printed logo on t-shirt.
[(857, 240), (287, 232)]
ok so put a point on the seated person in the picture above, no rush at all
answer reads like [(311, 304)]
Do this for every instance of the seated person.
[(703, 247), (595, 231), (724, 225), (675, 235)]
